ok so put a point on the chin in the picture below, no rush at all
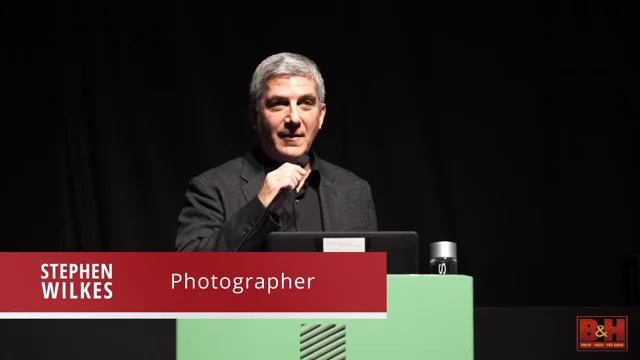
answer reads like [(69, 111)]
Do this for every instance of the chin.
[(292, 151)]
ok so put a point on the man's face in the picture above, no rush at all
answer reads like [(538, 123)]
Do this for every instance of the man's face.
[(289, 117)]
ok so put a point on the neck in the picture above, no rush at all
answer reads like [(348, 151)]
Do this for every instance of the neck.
[(271, 162), (275, 159)]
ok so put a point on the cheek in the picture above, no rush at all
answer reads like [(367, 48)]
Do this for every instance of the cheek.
[(270, 123), (312, 123)]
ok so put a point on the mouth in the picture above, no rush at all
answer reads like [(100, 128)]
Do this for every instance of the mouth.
[(291, 136)]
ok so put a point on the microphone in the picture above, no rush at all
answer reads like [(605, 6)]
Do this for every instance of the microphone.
[(302, 162)]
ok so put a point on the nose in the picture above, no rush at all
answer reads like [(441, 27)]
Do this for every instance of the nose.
[(293, 116)]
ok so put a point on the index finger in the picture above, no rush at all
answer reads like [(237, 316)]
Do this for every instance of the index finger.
[(296, 167), (300, 170)]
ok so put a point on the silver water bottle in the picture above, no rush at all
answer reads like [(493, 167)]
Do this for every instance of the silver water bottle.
[(443, 258)]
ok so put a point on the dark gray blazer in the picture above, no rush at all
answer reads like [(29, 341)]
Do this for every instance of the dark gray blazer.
[(222, 206)]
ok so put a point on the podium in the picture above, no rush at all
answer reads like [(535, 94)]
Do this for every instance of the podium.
[(428, 317)]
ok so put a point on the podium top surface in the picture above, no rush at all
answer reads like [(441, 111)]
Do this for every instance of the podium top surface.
[(429, 280), (433, 276)]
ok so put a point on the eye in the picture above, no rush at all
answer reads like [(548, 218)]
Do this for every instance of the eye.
[(276, 106), (276, 103), (307, 102)]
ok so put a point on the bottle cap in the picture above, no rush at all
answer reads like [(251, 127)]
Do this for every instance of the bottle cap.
[(443, 249)]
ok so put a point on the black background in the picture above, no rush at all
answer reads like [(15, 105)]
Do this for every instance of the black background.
[(505, 127)]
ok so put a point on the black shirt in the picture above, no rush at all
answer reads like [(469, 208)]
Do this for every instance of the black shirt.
[(301, 211)]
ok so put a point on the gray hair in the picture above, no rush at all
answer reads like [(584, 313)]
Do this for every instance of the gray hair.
[(283, 64)]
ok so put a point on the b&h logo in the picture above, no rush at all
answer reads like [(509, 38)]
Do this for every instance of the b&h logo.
[(602, 333), (323, 342)]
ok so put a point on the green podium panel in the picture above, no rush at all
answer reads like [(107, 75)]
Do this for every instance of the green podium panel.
[(428, 317)]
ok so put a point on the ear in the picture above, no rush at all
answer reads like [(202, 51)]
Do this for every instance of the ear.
[(323, 111)]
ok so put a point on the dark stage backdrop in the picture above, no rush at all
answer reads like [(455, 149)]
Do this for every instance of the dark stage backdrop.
[(506, 128)]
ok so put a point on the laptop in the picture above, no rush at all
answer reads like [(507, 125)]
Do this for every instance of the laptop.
[(401, 246)]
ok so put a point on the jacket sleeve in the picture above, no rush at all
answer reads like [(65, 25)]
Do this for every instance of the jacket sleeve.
[(202, 225), (371, 219)]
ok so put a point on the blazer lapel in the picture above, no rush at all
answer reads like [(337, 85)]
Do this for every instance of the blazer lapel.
[(253, 175), (329, 199)]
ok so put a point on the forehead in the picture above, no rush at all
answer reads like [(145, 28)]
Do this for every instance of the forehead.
[(290, 86)]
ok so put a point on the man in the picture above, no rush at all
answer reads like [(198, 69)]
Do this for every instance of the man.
[(224, 205)]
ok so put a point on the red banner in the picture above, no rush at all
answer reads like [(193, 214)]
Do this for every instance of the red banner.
[(183, 285)]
